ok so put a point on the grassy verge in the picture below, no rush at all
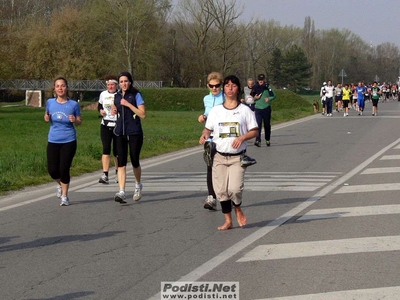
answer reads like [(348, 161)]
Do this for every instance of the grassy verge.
[(24, 136)]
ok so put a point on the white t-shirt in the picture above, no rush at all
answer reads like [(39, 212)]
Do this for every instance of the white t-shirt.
[(329, 91), (107, 100), (228, 124)]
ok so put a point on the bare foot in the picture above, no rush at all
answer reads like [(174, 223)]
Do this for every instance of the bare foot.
[(241, 218), (226, 226)]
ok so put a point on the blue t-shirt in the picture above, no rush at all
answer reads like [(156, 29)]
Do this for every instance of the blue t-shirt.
[(361, 90), (62, 130)]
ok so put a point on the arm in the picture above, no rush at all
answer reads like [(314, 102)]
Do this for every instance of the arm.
[(100, 109), (77, 120), (140, 111), (268, 94), (76, 117), (47, 116), (206, 134), (207, 107), (252, 133)]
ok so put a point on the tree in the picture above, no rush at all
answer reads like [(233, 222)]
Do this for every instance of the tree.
[(134, 23), (276, 75), (296, 68)]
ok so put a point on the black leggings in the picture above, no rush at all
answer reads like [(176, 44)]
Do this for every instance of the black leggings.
[(59, 160), (135, 143), (107, 137), (209, 182)]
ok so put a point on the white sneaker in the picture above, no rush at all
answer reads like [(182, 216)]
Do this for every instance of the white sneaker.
[(64, 201), (103, 179), (58, 191), (137, 195), (120, 197), (210, 203)]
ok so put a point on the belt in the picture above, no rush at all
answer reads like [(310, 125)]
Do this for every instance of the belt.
[(232, 154)]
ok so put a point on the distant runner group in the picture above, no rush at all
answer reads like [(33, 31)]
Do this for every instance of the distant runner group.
[(354, 96)]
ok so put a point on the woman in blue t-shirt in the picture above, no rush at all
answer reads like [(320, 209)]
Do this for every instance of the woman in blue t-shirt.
[(62, 113)]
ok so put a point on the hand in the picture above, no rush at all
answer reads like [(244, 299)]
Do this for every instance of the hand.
[(267, 99), (203, 139), (72, 118), (47, 116), (124, 102), (202, 118), (237, 142)]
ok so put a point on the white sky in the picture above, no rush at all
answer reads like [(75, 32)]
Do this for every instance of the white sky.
[(376, 21)]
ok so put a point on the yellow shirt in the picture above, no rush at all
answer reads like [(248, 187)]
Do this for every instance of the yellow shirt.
[(346, 94)]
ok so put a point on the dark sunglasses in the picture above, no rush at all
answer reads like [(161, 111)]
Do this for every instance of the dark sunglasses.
[(211, 86)]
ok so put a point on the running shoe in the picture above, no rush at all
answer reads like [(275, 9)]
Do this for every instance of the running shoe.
[(268, 143), (58, 191), (257, 143), (137, 195), (210, 203), (246, 161), (103, 179), (64, 201), (120, 197)]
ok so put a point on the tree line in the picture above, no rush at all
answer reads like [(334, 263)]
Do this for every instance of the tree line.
[(180, 45)]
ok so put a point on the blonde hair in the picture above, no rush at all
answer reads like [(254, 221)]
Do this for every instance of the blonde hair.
[(215, 76)]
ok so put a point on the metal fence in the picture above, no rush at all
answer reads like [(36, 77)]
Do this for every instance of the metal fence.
[(74, 85)]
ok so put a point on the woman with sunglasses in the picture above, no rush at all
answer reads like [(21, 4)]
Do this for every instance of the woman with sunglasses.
[(232, 124), (215, 97)]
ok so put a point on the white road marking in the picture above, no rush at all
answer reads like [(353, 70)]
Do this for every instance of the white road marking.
[(345, 212), (195, 181), (381, 170), (390, 157), (322, 248), (214, 262), (367, 188), (387, 293)]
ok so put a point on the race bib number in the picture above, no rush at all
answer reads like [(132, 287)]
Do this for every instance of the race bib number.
[(229, 129)]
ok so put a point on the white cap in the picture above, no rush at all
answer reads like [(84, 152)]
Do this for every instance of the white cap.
[(324, 83)]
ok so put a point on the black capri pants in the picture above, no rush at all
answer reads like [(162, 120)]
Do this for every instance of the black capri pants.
[(59, 160), (135, 143), (107, 138)]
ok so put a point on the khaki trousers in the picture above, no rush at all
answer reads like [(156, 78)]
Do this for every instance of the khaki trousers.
[(228, 178)]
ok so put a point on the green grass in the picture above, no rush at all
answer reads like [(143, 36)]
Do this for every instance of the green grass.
[(171, 124)]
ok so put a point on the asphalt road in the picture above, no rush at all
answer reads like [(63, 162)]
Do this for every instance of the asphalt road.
[(323, 223)]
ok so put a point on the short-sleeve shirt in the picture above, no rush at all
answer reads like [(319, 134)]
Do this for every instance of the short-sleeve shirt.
[(106, 99), (62, 130), (228, 124)]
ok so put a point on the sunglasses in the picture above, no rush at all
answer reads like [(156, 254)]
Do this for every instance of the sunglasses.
[(211, 86)]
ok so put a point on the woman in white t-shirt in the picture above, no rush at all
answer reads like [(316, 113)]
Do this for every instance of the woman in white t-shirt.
[(108, 121), (232, 125)]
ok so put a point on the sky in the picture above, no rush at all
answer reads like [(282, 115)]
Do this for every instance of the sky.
[(376, 22)]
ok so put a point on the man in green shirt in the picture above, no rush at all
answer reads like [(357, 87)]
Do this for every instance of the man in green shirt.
[(263, 95)]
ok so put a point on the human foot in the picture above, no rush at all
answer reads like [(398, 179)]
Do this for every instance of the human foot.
[(241, 218), (226, 226)]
